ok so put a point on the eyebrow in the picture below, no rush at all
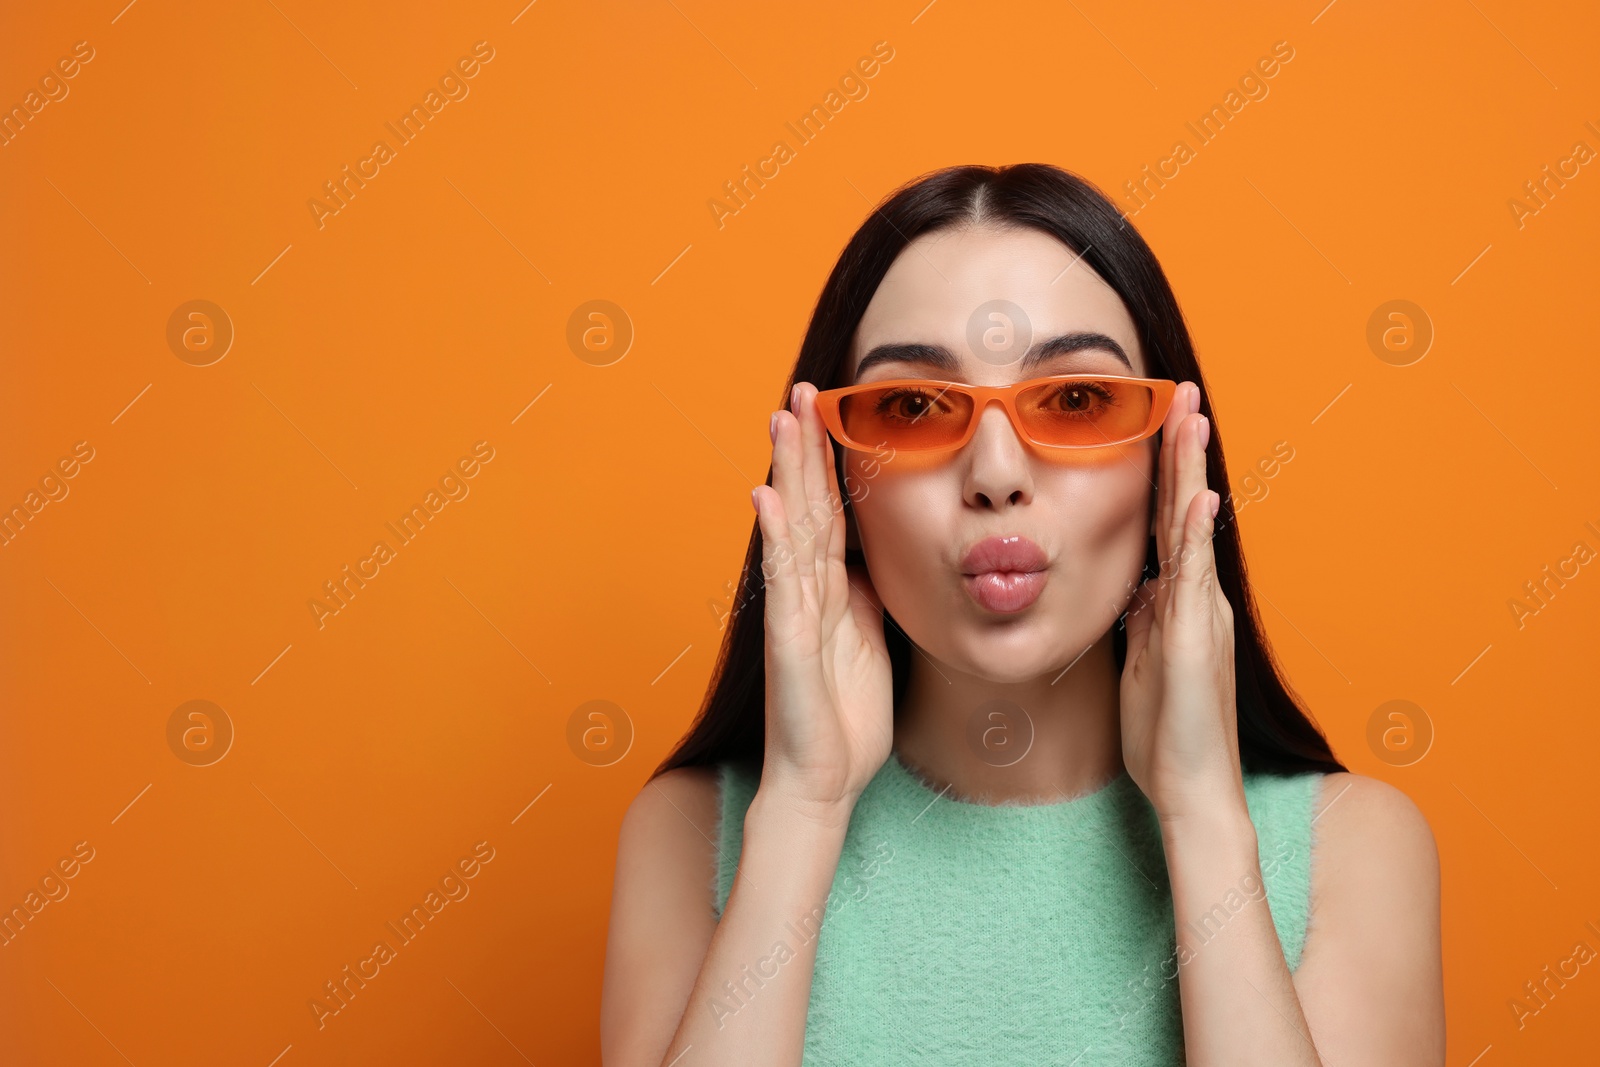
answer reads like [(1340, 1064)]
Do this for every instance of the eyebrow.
[(939, 357)]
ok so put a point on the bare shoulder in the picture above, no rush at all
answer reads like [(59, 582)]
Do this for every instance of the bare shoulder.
[(670, 830), (1373, 853), (685, 794), (1371, 980), (662, 912), (1367, 820)]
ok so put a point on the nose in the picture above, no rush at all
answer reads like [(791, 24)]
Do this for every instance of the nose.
[(998, 472)]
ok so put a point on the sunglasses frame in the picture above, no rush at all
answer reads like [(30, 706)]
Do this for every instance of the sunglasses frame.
[(828, 405)]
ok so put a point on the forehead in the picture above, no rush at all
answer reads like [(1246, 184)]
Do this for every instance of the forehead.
[(945, 288)]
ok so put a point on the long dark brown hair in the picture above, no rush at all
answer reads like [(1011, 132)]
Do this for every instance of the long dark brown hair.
[(1275, 734)]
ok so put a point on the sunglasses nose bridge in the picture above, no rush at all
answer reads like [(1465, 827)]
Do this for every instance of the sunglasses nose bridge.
[(1006, 406)]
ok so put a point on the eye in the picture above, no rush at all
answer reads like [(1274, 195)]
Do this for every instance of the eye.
[(1081, 399), (907, 402)]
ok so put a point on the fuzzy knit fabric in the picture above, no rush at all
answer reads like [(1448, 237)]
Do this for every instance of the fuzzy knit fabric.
[(964, 933)]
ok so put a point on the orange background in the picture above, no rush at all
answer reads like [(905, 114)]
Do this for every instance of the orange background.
[(589, 560)]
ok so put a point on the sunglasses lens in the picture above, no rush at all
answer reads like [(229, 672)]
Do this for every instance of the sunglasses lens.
[(906, 417), (1085, 412), (1072, 413)]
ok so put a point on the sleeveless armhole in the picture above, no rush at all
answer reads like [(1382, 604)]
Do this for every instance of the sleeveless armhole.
[(1283, 808), (736, 787)]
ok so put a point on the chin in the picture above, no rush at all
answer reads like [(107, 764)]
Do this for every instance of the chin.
[(1018, 652)]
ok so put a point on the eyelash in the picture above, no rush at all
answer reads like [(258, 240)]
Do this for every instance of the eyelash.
[(901, 392), (898, 393), (1105, 395)]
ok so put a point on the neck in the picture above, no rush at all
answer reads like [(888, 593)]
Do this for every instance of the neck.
[(1037, 741)]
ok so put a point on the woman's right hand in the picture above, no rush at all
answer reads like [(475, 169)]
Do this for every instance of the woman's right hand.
[(830, 690)]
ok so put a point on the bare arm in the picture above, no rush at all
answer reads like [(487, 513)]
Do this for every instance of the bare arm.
[(661, 914), (683, 989), (750, 999), (1371, 978), (1370, 986)]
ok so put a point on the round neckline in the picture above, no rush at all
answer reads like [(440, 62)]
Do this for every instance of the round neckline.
[(1109, 792)]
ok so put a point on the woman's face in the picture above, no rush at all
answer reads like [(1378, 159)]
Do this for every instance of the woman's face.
[(917, 516)]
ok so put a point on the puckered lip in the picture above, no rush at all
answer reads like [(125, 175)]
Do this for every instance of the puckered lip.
[(1010, 552)]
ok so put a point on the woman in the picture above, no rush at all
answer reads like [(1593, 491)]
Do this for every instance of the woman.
[(969, 786)]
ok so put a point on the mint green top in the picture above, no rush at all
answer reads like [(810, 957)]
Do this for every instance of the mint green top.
[(962, 933)]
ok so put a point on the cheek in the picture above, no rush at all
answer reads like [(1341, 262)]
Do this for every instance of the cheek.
[(906, 526), (1102, 524)]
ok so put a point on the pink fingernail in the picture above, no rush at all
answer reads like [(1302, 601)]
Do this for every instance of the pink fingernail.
[(755, 501), (772, 426), (1216, 503)]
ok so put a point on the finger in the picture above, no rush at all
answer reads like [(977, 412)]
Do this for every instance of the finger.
[(777, 561), (1188, 474), (789, 480), (1176, 413), (1197, 571), (836, 502), (818, 521), (802, 534)]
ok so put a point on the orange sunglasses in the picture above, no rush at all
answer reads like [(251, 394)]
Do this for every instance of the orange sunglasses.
[(1058, 411)]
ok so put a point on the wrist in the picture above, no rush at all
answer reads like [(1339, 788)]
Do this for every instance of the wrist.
[(1212, 796), (1223, 826), (788, 814)]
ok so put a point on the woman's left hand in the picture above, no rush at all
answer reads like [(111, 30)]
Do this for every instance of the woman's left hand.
[(1179, 729)]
